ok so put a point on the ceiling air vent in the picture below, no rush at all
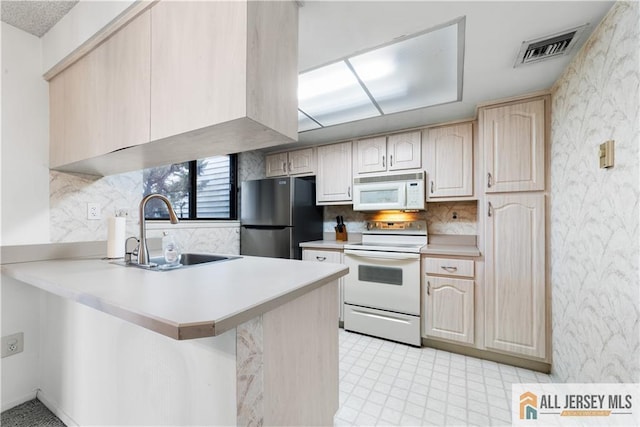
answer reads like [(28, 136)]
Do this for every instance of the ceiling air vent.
[(548, 47)]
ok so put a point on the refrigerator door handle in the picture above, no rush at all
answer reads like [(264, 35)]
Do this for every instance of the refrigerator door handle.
[(265, 227)]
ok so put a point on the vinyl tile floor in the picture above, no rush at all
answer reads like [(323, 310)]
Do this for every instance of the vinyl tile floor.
[(392, 384)]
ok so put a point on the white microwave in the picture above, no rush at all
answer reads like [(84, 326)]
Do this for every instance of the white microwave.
[(389, 192)]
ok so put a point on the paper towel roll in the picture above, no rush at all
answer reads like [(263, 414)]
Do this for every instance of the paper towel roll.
[(116, 237)]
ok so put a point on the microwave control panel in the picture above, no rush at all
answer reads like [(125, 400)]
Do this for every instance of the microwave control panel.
[(415, 195)]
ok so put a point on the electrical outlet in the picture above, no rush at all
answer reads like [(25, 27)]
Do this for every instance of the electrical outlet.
[(122, 212), (12, 344), (93, 211)]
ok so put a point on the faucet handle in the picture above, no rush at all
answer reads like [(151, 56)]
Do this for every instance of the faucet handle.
[(128, 253)]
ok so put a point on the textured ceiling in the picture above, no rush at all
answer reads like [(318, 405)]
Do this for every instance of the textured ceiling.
[(34, 17)]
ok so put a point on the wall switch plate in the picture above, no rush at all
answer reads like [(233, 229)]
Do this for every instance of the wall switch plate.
[(12, 344), (607, 154), (93, 211)]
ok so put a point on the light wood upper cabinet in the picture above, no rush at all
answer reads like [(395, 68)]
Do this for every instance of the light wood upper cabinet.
[(299, 162), (214, 62), (514, 146), (405, 151), (371, 155), (449, 161), (449, 309), (100, 103), (190, 75), (276, 164), (181, 81), (382, 154), (515, 274), (334, 177)]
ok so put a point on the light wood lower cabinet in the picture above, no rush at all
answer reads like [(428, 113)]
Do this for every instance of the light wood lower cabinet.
[(515, 274), (448, 299), (449, 309), (335, 256)]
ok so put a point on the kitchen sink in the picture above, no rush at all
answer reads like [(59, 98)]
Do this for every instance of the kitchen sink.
[(187, 260)]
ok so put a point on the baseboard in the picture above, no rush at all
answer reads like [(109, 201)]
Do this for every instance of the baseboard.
[(488, 355), (19, 401), (53, 407)]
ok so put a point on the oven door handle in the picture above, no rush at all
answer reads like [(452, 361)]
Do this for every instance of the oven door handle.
[(382, 255)]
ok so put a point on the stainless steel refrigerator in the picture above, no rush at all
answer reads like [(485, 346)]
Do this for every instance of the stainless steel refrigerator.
[(276, 215)]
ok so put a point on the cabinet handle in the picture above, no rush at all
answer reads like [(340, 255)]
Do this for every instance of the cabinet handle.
[(431, 187), (349, 191), (289, 166), (383, 162), (449, 268), (284, 166), (391, 160), (428, 288), (489, 208), (488, 179), (321, 258)]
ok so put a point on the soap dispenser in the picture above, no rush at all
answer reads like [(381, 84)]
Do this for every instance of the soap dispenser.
[(170, 249)]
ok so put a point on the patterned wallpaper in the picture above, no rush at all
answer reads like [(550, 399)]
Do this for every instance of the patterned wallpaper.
[(594, 226)]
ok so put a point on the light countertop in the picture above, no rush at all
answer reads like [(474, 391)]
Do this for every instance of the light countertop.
[(451, 250), (193, 302), (452, 245), (327, 244), (438, 245)]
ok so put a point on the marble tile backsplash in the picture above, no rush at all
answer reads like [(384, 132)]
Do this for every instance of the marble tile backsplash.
[(439, 216), (219, 239), (70, 193), (594, 213)]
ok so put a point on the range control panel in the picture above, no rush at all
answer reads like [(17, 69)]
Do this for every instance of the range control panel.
[(413, 227)]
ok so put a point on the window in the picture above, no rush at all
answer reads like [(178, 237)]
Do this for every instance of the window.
[(199, 189)]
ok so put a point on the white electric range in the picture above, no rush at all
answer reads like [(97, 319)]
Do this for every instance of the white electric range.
[(382, 289)]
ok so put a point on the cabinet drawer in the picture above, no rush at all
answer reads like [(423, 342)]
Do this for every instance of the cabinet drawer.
[(322, 256), (449, 267)]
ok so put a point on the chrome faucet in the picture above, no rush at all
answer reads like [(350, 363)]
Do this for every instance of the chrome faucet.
[(143, 250)]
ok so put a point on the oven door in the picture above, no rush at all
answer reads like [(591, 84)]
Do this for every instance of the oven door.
[(383, 280)]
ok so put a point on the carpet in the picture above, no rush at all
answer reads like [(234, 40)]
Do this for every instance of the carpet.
[(30, 414)]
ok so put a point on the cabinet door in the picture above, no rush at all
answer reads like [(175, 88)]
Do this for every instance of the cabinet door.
[(449, 310), (101, 103), (198, 54), (515, 274), (334, 178), (514, 140), (371, 155), (276, 164), (301, 162), (404, 151), (449, 157), (328, 256)]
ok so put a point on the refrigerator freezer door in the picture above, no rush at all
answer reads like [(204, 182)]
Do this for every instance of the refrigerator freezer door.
[(266, 202), (272, 242)]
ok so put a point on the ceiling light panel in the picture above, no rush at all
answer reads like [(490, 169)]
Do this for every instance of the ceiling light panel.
[(416, 72), (333, 95), (305, 123)]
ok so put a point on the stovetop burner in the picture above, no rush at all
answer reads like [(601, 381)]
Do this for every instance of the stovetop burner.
[(397, 236)]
